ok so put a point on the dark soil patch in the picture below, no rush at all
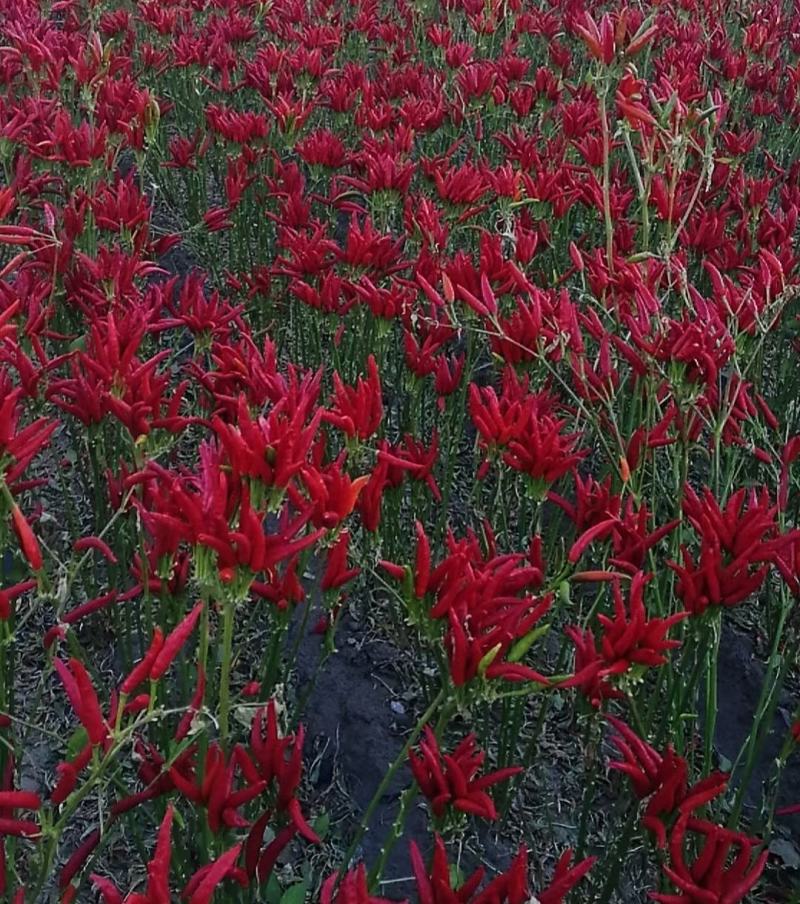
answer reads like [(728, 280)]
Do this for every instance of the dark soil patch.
[(741, 680), (357, 719)]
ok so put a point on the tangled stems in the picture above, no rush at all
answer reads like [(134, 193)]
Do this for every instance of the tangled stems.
[(354, 158), (712, 637), (407, 798), (787, 749), (617, 858), (605, 131), (272, 662), (778, 664), (642, 187), (388, 777), (100, 763), (592, 746)]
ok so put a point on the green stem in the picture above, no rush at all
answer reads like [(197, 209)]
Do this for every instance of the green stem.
[(409, 794), (228, 613), (712, 675), (591, 745), (389, 776), (765, 710), (786, 751), (394, 836), (618, 858)]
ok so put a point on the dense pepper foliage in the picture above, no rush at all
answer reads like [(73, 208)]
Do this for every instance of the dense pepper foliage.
[(472, 322)]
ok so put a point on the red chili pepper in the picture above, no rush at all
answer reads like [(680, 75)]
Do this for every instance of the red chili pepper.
[(27, 539), (602, 529), (200, 892), (185, 725), (95, 543), (19, 800), (19, 828), (89, 713), (78, 858), (87, 608), (174, 643), (422, 568), (142, 669)]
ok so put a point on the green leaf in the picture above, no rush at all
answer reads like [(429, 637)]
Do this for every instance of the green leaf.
[(322, 824), (488, 658), (77, 742), (295, 894), (272, 893), (524, 644)]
